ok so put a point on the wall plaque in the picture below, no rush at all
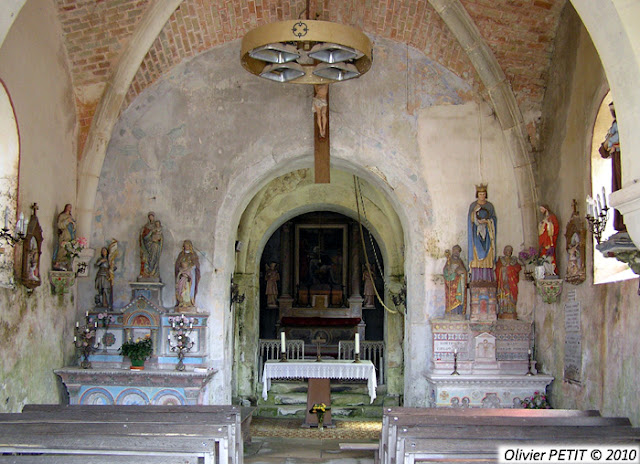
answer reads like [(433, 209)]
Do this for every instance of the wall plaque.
[(573, 339)]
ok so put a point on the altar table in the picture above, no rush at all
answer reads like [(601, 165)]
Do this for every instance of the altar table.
[(319, 375)]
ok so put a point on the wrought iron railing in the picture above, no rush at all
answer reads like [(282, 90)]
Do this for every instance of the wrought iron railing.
[(369, 350)]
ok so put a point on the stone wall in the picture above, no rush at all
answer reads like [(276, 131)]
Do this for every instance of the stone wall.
[(36, 329), (610, 321), (197, 147)]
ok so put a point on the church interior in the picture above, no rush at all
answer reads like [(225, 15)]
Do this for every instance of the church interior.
[(162, 186)]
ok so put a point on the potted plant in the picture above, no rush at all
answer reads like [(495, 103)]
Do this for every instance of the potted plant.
[(137, 351), (319, 409)]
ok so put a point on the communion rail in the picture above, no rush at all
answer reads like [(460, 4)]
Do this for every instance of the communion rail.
[(369, 351)]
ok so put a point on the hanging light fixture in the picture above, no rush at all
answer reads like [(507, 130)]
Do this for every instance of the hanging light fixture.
[(306, 52)]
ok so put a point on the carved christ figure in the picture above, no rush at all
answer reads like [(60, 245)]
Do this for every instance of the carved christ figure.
[(320, 107)]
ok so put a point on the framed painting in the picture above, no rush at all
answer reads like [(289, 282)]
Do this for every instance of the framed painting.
[(321, 256)]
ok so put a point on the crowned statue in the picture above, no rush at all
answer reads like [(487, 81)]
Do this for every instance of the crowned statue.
[(482, 230)]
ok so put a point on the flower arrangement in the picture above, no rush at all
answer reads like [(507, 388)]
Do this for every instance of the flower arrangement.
[(104, 319), (74, 247), (535, 257), (319, 409), (137, 351), (537, 401)]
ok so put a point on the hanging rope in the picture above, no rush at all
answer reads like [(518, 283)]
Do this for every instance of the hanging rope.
[(358, 193)]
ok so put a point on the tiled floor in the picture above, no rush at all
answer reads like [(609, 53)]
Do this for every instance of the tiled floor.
[(285, 441)]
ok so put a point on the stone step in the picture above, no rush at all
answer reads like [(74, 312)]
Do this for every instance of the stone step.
[(337, 412)]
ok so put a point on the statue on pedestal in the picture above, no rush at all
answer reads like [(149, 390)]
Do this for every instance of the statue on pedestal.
[(271, 277), (151, 240), (187, 272), (508, 275), (369, 289), (610, 149), (105, 275), (482, 230), (548, 230), (455, 283), (66, 225)]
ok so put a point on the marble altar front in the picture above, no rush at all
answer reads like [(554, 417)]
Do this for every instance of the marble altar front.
[(482, 364)]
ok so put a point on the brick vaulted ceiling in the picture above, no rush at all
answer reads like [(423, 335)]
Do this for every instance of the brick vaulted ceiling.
[(520, 33)]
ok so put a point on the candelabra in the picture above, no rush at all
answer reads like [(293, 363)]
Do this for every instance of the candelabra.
[(20, 233), (84, 339), (597, 214), (529, 364), (181, 326), (455, 363)]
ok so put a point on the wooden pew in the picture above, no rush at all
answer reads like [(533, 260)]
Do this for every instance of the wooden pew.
[(439, 450), (416, 418), (223, 423)]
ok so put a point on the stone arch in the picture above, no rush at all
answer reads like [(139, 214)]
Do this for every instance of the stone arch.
[(284, 198)]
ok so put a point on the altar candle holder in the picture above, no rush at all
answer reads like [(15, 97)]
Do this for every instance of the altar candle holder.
[(455, 363), (283, 356), (181, 326), (84, 340), (529, 364), (356, 358)]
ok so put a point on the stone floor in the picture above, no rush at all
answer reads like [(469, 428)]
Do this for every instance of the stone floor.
[(278, 450), (284, 441)]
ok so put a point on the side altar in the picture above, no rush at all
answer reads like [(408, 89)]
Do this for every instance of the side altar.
[(482, 364), (169, 377)]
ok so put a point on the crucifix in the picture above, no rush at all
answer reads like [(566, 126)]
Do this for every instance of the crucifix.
[(321, 149), (318, 341)]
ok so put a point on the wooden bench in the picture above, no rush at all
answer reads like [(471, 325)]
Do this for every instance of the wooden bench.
[(209, 434), (402, 424)]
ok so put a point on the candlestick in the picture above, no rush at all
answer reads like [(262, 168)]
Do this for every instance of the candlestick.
[(357, 344)]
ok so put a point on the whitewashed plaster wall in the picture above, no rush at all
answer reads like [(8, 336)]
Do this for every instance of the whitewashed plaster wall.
[(36, 330), (199, 144), (610, 320)]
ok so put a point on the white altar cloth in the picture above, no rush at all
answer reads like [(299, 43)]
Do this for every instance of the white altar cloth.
[(319, 370)]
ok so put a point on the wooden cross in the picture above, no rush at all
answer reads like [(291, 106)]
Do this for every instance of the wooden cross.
[(321, 144), (317, 341)]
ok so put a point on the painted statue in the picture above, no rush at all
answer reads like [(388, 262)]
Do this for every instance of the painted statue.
[(508, 275), (271, 277), (482, 231), (369, 288), (575, 238), (548, 229), (320, 107), (455, 283), (151, 240), (66, 226), (610, 149), (187, 272), (106, 275)]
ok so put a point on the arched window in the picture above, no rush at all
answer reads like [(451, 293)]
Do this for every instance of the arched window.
[(9, 161), (604, 269)]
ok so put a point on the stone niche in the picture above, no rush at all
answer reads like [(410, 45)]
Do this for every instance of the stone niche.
[(482, 364)]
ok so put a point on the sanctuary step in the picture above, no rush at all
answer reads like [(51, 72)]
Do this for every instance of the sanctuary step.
[(349, 400)]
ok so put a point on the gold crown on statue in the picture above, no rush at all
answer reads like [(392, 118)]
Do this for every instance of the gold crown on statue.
[(481, 188)]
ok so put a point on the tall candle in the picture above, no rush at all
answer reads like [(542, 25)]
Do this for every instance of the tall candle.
[(24, 226), (357, 343), (6, 218), (282, 342), (604, 197)]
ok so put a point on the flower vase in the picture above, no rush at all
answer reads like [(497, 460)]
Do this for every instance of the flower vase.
[(320, 420), (538, 272), (137, 364)]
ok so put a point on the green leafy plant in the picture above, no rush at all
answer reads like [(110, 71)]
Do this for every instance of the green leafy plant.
[(139, 350)]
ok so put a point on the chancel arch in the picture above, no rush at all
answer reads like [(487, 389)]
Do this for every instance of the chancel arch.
[(292, 196)]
